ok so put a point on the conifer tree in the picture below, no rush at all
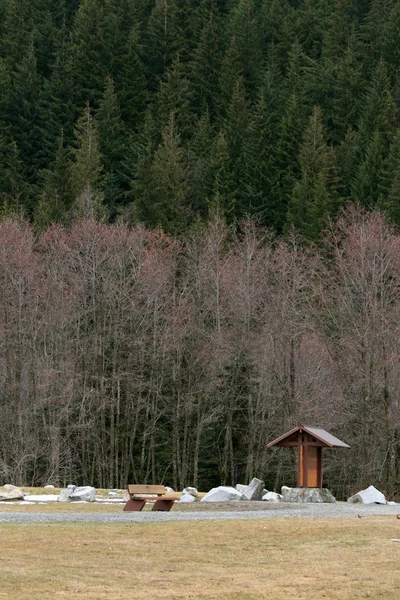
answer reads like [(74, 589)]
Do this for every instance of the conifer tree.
[(161, 202), (224, 191), (174, 96), (243, 26), (17, 34), (314, 196), (57, 108), (86, 170), (113, 146), (131, 82), (13, 189), (90, 58), (55, 198), (200, 176), (24, 109), (206, 66), (257, 184), (230, 73), (389, 197)]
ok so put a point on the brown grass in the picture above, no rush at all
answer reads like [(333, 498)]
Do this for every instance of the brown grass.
[(278, 559)]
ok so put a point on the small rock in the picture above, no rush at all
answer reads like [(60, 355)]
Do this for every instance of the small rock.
[(272, 497), (11, 492), (241, 488), (192, 491), (391, 503), (114, 493), (222, 494), (169, 489), (48, 487)]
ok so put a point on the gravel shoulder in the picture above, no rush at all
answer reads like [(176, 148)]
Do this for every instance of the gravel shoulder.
[(283, 510)]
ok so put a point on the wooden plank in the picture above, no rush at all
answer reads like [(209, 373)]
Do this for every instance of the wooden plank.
[(312, 467), (146, 489), (300, 481)]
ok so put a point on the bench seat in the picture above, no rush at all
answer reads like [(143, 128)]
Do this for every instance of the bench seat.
[(140, 494)]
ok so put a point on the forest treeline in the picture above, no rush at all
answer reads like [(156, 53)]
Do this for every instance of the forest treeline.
[(127, 356), (162, 111)]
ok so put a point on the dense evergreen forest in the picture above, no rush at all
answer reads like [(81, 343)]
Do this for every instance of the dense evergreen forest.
[(163, 111), (183, 274)]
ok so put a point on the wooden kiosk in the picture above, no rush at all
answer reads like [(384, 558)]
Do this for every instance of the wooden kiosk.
[(309, 441)]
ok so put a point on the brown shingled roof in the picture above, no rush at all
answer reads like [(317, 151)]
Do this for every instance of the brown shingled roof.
[(320, 434)]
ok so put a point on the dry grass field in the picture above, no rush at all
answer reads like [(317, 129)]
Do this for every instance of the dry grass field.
[(278, 559)]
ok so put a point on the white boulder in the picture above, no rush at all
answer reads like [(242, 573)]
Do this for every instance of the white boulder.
[(254, 490), (83, 494), (368, 496), (222, 493), (187, 498), (77, 494), (272, 497), (11, 492)]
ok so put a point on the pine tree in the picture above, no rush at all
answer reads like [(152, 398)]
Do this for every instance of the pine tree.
[(243, 26), (314, 196), (389, 197), (235, 130), (174, 97), (113, 148), (90, 58), (24, 109), (17, 32), (206, 66), (13, 189), (55, 198), (259, 146), (57, 108), (200, 180), (86, 172), (230, 73), (161, 191), (131, 82), (223, 199)]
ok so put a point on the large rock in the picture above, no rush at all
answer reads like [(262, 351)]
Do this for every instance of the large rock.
[(317, 495), (11, 492), (64, 495), (77, 494), (254, 490), (272, 497), (222, 493), (83, 494), (191, 490), (369, 496)]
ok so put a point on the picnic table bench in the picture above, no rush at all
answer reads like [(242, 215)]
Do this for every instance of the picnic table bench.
[(139, 494)]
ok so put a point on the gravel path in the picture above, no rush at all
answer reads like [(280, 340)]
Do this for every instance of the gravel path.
[(285, 510)]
